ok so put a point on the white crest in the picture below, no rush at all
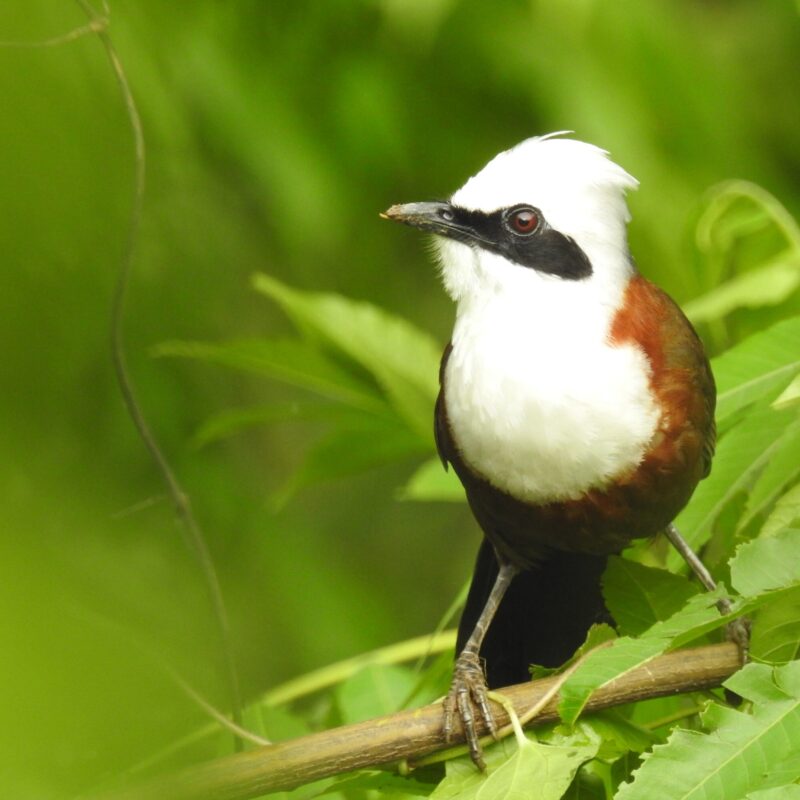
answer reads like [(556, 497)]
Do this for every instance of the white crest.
[(575, 185)]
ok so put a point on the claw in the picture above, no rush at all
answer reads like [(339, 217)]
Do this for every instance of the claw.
[(468, 692), (737, 631)]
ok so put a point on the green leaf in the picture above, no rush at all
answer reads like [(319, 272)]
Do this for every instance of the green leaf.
[(617, 734), (232, 421), (741, 455), (382, 782), (348, 451), (789, 792), (763, 571), (638, 596), (738, 753), (767, 564), (698, 616), (768, 285), (515, 771), (765, 362), (403, 359), (271, 722), (776, 630), (376, 690), (782, 470), (599, 633), (432, 483), (786, 511), (790, 396), (291, 361)]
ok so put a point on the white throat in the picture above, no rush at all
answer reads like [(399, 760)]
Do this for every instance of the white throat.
[(540, 404)]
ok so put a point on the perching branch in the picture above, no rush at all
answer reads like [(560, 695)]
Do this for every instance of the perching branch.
[(410, 735)]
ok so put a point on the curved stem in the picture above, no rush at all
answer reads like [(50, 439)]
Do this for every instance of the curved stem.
[(180, 499)]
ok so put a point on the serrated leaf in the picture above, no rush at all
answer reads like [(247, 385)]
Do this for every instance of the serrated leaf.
[(759, 570), (374, 691), (514, 772), (776, 630), (598, 633), (740, 456), (786, 511), (432, 483), (782, 470), (740, 750), (698, 616), (291, 361), (765, 362), (767, 564), (638, 596), (403, 359)]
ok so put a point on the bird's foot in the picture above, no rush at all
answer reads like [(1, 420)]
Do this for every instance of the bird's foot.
[(469, 700), (737, 631)]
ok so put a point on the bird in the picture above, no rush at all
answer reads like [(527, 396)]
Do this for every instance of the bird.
[(576, 405)]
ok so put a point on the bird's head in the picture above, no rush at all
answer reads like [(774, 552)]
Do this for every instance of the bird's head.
[(549, 212)]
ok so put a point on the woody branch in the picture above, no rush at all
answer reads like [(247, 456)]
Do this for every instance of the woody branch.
[(410, 735)]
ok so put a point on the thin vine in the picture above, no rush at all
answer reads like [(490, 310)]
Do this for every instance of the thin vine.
[(98, 24)]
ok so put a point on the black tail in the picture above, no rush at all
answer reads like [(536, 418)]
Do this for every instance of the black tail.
[(543, 617)]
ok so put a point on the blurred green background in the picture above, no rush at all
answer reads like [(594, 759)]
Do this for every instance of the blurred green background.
[(276, 131)]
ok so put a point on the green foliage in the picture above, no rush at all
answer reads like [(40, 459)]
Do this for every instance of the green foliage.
[(379, 370), (515, 769), (785, 512), (786, 792), (698, 616), (431, 482), (740, 216), (740, 753), (762, 364), (297, 363), (656, 610), (401, 358), (660, 609), (742, 455), (638, 596), (776, 635), (374, 691), (275, 133)]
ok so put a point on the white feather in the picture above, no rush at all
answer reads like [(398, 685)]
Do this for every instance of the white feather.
[(540, 402)]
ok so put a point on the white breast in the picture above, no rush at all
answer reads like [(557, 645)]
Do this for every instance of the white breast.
[(539, 402)]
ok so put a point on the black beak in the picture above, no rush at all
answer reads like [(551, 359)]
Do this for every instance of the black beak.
[(441, 218)]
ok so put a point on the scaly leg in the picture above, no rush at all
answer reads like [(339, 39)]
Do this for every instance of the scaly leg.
[(739, 629), (468, 689)]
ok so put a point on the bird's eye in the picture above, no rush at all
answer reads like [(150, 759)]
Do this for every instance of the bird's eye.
[(446, 214), (524, 221)]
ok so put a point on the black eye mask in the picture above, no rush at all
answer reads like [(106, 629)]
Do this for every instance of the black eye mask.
[(522, 235)]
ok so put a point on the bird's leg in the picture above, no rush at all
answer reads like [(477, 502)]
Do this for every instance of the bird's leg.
[(739, 629), (468, 690)]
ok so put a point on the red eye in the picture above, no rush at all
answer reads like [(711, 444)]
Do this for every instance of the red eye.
[(525, 220)]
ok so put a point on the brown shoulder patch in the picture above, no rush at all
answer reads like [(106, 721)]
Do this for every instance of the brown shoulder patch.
[(680, 377)]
